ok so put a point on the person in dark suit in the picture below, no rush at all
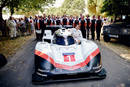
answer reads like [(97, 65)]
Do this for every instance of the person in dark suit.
[(49, 20), (88, 25), (99, 24), (71, 20), (65, 20), (76, 22), (93, 24), (83, 26), (58, 21)]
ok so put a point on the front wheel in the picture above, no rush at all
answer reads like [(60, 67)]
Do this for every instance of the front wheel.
[(106, 38)]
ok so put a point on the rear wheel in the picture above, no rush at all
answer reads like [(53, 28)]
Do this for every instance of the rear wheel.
[(106, 38)]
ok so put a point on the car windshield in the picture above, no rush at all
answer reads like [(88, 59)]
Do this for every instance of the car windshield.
[(60, 40), (122, 24)]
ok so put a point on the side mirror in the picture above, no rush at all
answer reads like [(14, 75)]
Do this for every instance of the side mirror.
[(3, 60)]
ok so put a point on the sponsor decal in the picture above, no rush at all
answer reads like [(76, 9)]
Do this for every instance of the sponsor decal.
[(69, 57)]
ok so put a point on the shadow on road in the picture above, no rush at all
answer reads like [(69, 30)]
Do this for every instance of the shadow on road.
[(119, 42), (63, 82)]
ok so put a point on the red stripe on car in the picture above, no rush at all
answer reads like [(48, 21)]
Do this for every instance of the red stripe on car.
[(67, 67)]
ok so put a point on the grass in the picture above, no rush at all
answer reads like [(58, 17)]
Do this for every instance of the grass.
[(9, 47)]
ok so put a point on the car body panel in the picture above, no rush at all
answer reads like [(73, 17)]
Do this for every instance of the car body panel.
[(72, 61), (57, 55)]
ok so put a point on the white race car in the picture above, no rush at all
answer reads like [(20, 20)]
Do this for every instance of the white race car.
[(65, 59)]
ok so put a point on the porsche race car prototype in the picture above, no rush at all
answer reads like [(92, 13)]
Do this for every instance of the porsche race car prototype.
[(64, 59)]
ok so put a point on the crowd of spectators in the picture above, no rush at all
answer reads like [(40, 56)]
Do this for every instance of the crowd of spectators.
[(89, 26), (15, 27), (26, 26)]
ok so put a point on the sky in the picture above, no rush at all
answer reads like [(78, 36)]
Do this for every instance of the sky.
[(58, 3)]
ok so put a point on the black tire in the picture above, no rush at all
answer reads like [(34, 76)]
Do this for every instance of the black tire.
[(3, 60), (106, 38)]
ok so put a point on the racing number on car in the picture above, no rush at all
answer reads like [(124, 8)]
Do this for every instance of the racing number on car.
[(69, 57)]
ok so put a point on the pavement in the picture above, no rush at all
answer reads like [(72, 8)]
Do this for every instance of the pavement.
[(18, 71), (120, 48)]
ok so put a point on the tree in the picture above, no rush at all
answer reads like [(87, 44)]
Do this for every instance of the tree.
[(5, 3), (94, 6), (30, 6), (69, 7), (10, 3), (116, 7), (24, 5)]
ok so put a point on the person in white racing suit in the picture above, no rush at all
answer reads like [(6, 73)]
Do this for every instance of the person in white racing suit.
[(76, 33)]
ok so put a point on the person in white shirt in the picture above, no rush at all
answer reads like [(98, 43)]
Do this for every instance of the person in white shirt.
[(77, 34), (12, 26)]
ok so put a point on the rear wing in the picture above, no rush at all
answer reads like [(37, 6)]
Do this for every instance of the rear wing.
[(58, 26), (53, 28), (67, 26)]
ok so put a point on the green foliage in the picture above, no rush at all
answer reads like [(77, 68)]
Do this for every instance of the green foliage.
[(69, 7), (32, 7), (24, 5), (116, 7), (94, 7)]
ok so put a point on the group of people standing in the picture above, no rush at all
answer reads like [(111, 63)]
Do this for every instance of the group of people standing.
[(27, 26), (86, 24), (20, 26)]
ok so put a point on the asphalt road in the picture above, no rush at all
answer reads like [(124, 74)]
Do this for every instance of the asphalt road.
[(17, 73)]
